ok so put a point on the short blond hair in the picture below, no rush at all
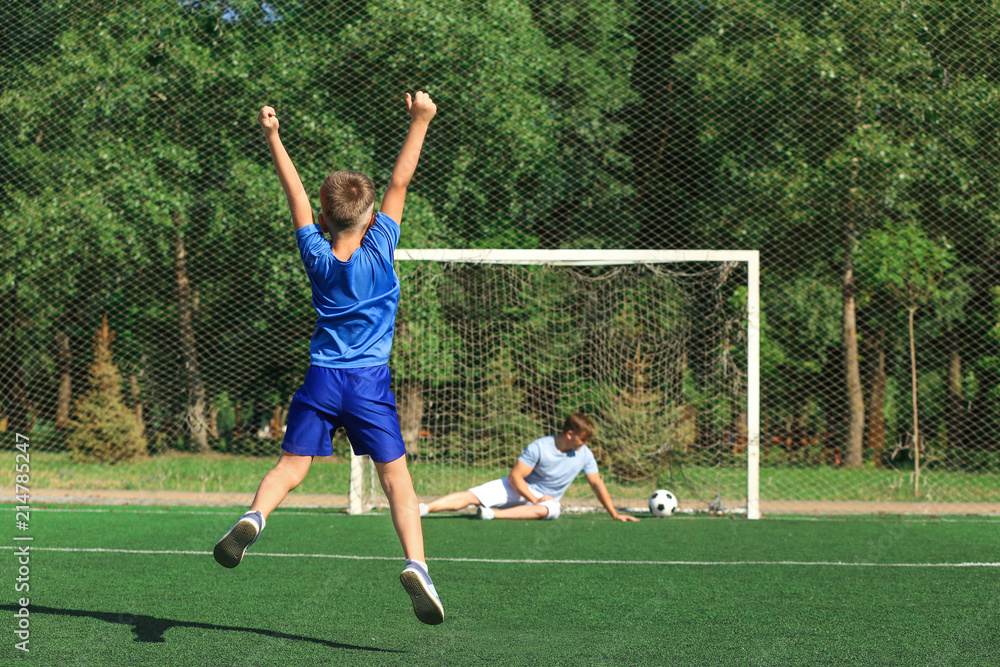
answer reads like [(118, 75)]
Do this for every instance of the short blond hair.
[(580, 424), (348, 201)]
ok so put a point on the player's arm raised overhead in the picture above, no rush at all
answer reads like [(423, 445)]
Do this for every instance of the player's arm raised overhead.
[(298, 201), (601, 491), (422, 109)]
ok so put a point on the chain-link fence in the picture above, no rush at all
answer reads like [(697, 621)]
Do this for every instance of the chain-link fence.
[(853, 143)]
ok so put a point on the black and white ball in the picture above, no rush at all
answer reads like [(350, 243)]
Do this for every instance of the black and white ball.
[(662, 503)]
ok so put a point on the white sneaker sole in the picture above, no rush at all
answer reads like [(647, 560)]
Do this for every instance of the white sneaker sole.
[(425, 605), (230, 549)]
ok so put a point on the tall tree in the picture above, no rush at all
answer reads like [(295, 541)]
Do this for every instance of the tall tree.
[(526, 151), (918, 272), (818, 124), (148, 143)]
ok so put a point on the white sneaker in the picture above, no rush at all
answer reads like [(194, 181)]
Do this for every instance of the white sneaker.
[(426, 603), (230, 549), (423, 509), (485, 513)]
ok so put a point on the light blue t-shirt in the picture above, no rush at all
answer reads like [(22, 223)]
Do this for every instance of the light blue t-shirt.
[(553, 471), (356, 300)]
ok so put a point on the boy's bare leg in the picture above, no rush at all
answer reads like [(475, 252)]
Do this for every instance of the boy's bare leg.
[(522, 512), (453, 501), (398, 487), (289, 472)]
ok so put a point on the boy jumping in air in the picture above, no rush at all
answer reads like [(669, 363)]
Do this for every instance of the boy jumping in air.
[(355, 292)]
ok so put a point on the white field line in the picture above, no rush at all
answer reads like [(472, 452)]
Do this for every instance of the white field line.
[(521, 561)]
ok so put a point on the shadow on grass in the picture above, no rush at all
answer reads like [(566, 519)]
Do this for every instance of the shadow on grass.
[(151, 629)]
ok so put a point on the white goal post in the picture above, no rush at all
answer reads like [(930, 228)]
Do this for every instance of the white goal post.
[(362, 479)]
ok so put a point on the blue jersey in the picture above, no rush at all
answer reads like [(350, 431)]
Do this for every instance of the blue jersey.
[(553, 471), (356, 300)]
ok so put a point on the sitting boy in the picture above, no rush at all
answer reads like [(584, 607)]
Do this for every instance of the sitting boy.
[(538, 480)]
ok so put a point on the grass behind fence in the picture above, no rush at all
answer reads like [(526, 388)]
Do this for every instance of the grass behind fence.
[(241, 474)]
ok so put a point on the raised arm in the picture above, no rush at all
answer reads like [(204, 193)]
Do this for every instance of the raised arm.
[(298, 201), (601, 491), (422, 110)]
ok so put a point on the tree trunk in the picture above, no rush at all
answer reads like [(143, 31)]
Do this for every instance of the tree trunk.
[(277, 421), (197, 424), (411, 413), (136, 399), (916, 420), (64, 365), (876, 401), (14, 399), (238, 426), (213, 422), (956, 399), (852, 369)]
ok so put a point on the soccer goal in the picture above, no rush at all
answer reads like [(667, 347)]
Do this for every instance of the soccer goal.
[(660, 348)]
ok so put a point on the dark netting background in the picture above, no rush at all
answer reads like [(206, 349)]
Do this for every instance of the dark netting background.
[(854, 143)]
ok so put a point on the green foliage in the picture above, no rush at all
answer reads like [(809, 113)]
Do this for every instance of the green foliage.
[(913, 268), (496, 423), (103, 428), (826, 123), (808, 131), (422, 348), (640, 434), (526, 141)]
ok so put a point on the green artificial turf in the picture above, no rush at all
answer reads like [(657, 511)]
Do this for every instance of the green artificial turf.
[(708, 608)]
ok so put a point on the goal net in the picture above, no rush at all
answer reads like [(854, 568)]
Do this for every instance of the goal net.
[(493, 348)]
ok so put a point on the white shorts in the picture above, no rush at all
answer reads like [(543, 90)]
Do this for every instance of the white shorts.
[(500, 493)]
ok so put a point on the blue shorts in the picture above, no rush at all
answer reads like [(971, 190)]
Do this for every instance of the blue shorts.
[(357, 399)]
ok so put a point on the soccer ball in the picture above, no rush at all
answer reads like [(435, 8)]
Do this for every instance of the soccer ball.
[(662, 503)]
